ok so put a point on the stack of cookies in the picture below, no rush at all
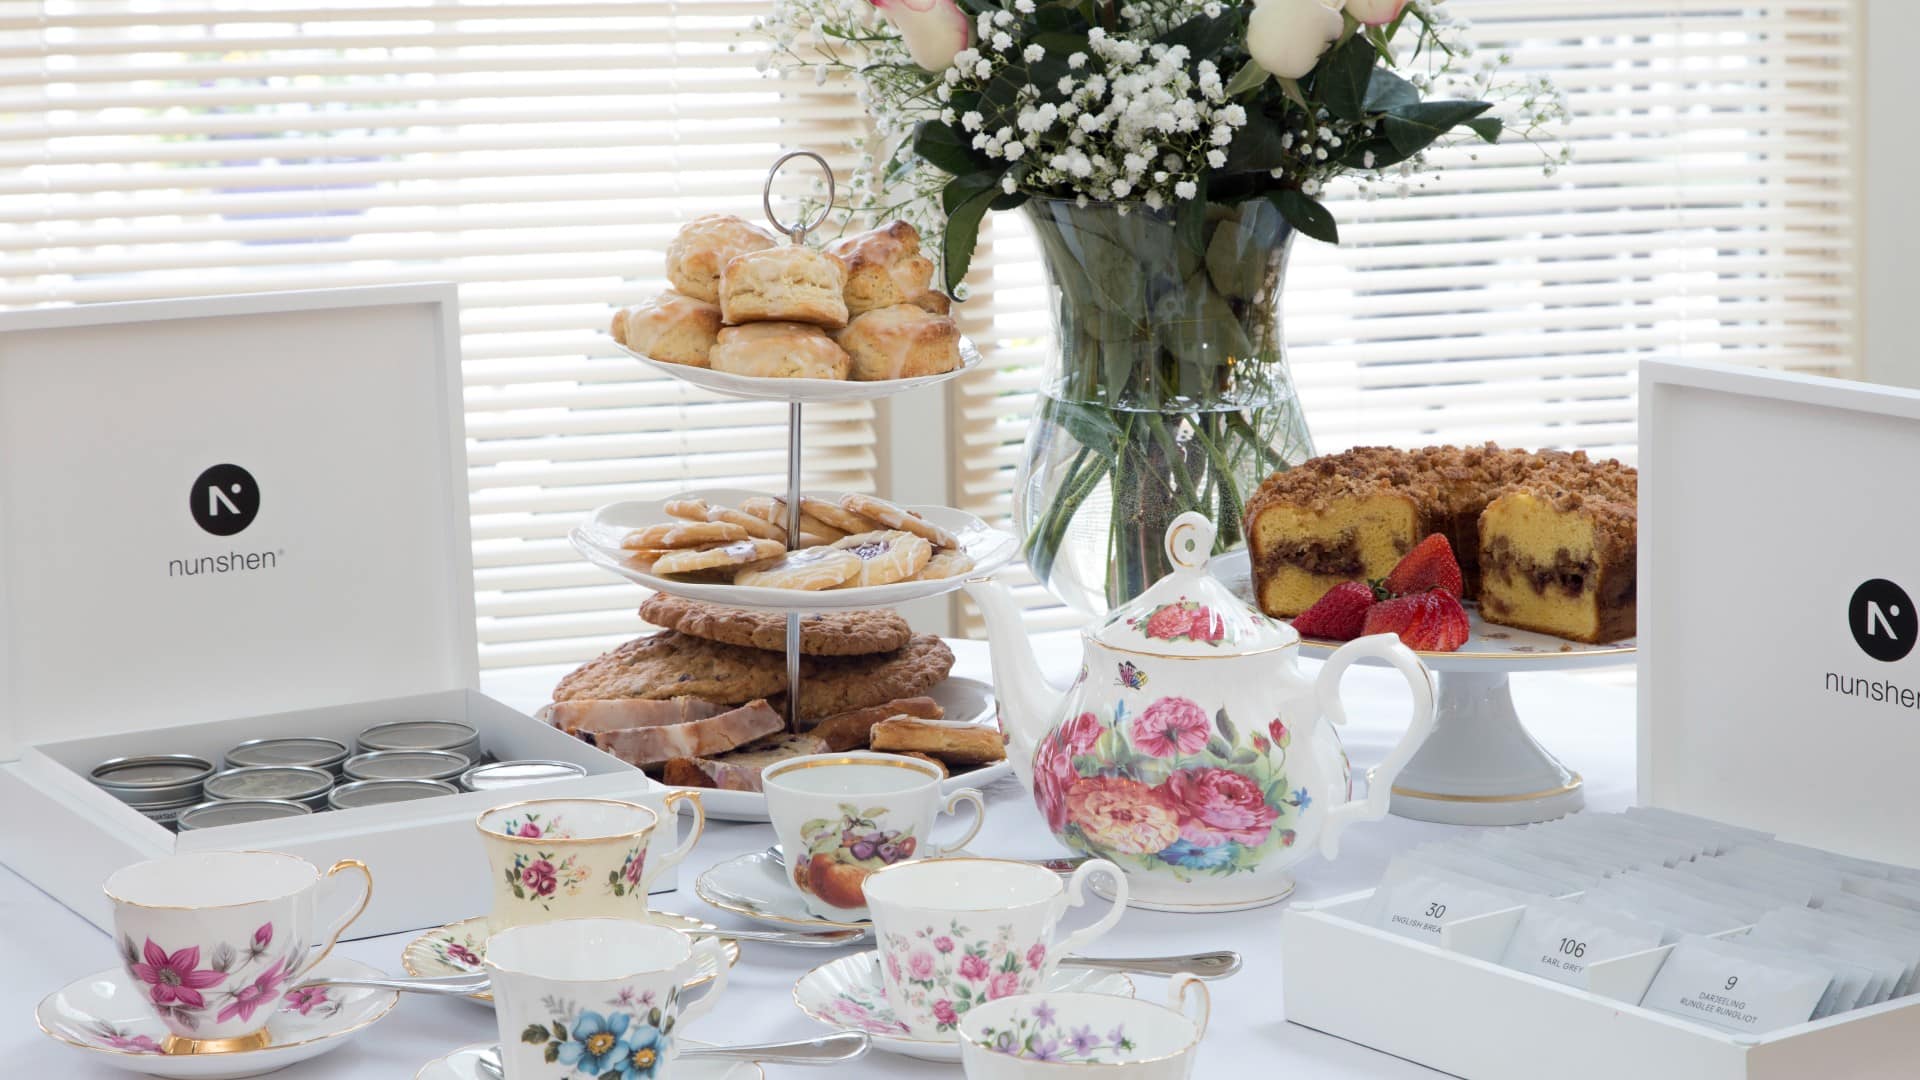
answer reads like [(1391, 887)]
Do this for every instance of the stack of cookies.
[(702, 702), (858, 541), (745, 304)]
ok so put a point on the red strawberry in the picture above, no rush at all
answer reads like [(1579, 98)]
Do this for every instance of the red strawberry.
[(1432, 621), (1338, 615), (1429, 565)]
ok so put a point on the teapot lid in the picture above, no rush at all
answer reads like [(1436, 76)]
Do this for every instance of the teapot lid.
[(1190, 612)]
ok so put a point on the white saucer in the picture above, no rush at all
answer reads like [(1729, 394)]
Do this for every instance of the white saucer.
[(463, 1064), (847, 993), (457, 948), (104, 1017), (755, 886)]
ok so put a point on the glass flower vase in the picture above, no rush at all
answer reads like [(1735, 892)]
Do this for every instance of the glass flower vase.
[(1168, 390)]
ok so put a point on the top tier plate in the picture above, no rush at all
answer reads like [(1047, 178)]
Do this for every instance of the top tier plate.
[(803, 390), (1489, 647)]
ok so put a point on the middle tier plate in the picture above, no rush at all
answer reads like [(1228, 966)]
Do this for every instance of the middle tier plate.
[(598, 539)]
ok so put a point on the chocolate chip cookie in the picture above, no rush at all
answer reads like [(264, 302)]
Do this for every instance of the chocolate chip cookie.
[(669, 665), (835, 684), (822, 633)]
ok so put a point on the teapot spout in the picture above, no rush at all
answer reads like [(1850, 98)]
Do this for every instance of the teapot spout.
[(1027, 703)]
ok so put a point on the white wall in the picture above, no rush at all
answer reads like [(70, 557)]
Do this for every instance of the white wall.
[(1890, 226)]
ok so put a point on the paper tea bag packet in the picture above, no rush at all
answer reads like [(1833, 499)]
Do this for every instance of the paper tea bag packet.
[(1736, 987), (1559, 940), (1424, 901)]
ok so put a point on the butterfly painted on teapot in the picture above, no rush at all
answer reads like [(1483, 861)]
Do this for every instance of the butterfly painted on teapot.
[(1193, 753)]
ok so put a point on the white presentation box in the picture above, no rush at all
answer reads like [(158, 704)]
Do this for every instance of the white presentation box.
[(141, 612), (1778, 687)]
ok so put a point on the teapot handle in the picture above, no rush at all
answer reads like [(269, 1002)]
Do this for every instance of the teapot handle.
[(1380, 788)]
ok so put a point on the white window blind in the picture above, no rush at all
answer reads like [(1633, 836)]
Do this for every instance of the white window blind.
[(539, 154), (1708, 213)]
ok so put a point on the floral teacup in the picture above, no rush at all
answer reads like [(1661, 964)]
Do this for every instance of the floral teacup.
[(1037, 1036), (596, 997), (956, 933), (571, 859), (215, 938), (841, 817)]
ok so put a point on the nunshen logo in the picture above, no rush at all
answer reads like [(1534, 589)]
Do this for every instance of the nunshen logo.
[(224, 500), (1883, 620)]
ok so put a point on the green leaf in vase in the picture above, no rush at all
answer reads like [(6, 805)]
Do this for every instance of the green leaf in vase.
[(1250, 77), (1257, 146), (1412, 128), (1488, 128), (967, 199), (1343, 76), (946, 148), (1204, 35), (1091, 427), (1387, 90), (1237, 258), (1307, 215)]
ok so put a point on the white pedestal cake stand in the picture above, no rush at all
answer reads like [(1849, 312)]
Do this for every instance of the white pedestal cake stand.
[(1480, 766)]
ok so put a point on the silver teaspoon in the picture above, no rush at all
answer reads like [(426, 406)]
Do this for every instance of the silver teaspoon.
[(450, 985), (806, 939), (825, 1050), (1059, 866), (1208, 965)]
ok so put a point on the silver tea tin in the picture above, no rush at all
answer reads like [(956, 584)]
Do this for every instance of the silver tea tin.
[(423, 735), (209, 815), (169, 815), (360, 793), (510, 774), (295, 783), (407, 765), (306, 751), (154, 781)]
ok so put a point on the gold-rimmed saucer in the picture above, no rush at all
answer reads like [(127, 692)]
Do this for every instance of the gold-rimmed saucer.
[(755, 886), (457, 949)]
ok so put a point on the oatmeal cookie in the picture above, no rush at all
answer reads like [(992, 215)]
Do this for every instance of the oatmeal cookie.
[(668, 665), (835, 684), (822, 633)]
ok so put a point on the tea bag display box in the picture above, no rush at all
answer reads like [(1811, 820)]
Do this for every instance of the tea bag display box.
[(1757, 708), (234, 518)]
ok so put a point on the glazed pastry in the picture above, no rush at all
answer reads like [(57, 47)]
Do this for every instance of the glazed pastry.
[(946, 563), (884, 267), (886, 556), (785, 284), (779, 350), (687, 509), (900, 342), (758, 528), (809, 569), (738, 553), (896, 517), (813, 531), (682, 534), (671, 328), (703, 248)]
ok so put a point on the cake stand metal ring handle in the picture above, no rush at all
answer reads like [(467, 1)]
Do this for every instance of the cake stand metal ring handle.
[(797, 233)]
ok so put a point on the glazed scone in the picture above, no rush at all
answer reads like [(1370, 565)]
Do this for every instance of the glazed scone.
[(932, 301), (703, 248), (779, 350), (672, 328), (785, 284), (884, 267), (900, 342)]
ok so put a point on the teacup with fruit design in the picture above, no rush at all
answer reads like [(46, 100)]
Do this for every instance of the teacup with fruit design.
[(841, 817)]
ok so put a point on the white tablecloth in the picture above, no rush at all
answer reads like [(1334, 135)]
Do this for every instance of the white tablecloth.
[(1587, 725)]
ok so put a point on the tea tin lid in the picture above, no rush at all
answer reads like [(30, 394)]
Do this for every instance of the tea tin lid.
[(407, 765), (419, 735), (209, 815), (507, 774), (1190, 612), (269, 782), (311, 751), (156, 780), (375, 792)]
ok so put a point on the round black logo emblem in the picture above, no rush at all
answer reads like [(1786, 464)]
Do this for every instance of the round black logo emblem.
[(1883, 620), (224, 500)]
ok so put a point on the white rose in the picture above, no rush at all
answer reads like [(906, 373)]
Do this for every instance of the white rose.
[(1288, 37), (1375, 12), (934, 30)]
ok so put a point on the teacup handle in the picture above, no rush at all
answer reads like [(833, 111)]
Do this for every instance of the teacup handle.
[(1076, 897), (672, 858), (1380, 787), (1189, 997), (366, 897), (964, 795), (716, 949)]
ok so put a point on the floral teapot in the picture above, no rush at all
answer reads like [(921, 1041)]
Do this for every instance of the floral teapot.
[(1191, 750)]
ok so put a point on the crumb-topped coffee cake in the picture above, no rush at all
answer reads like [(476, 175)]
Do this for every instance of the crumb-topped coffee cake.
[(1546, 540)]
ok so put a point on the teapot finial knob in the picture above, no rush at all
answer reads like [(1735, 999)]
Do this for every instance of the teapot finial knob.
[(1190, 541)]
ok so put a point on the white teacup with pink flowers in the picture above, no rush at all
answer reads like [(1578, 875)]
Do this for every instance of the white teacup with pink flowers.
[(215, 939), (955, 933)]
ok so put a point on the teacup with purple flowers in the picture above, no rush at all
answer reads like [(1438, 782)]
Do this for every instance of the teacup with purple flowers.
[(1046, 1035), (214, 940)]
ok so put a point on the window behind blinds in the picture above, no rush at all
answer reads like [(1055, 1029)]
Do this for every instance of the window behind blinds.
[(1708, 213), (539, 154)]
